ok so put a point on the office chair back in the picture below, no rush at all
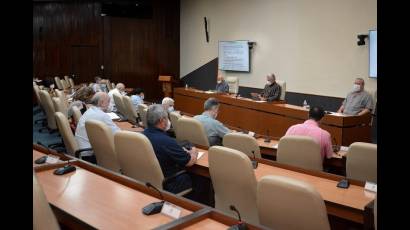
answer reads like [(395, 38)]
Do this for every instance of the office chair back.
[(191, 130), (174, 117), (282, 85), (137, 158), (59, 85), (300, 151), (60, 94), (49, 109), (59, 106), (37, 93), (142, 111), (102, 141), (76, 114), (43, 216), (361, 162), (119, 104), (233, 83), (242, 142), (234, 182), (63, 125), (130, 111), (65, 85), (71, 81), (286, 203)]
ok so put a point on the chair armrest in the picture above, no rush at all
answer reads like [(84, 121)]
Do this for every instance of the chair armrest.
[(77, 153), (173, 176)]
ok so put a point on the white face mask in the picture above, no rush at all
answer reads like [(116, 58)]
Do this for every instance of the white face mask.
[(268, 83), (168, 125), (142, 97), (219, 82), (356, 88), (170, 109)]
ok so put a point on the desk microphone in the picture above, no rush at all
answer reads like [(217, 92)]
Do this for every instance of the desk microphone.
[(154, 207), (335, 147), (240, 225), (65, 169), (43, 159), (267, 139), (254, 161)]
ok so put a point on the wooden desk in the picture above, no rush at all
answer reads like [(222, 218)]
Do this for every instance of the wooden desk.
[(125, 125), (274, 117), (345, 203)]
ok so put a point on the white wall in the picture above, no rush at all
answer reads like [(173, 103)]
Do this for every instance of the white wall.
[(311, 44)]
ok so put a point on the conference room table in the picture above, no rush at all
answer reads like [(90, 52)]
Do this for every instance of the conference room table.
[(272, 118), (348, 204), (92, 197)]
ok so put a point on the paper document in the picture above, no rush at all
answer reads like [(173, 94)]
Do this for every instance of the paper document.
[(260, 101), (275, 146), (209, 92), (113, 116), (200, 154), (344, 148)]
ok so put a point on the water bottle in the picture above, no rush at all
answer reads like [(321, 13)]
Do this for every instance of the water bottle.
[(186, 86), (304, 104)]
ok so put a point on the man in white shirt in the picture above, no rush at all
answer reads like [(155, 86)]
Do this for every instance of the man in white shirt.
[(99, 106), (119, 89)]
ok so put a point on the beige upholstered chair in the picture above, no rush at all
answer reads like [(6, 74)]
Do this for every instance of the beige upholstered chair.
[(174, 117), (191, 130), (375, 212), (43, 216), (65, 85), (137, 158), (58, 83), (142, 111), (70, 143), (48, 108), (242, 142), (112, 85), (282, 85), (233, 83), (130, 113), (119, 104), (300, 151), (361, 162), (286, 203), (59, 106), (60, 94), (76, 114), (234, 182), (37, 93), (102, 141), (71, 81)]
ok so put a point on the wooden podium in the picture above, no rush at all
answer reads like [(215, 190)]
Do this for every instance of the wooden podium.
[(166, 85)]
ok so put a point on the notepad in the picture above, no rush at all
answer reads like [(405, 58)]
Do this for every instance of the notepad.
[(200, 154), (260, 101), (275, 146), (344, 148), (113, 116)]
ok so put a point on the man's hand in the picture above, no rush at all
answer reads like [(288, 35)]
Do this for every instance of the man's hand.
[(194, 155)]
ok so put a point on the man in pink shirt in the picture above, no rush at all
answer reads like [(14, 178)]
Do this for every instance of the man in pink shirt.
[(311, 128)]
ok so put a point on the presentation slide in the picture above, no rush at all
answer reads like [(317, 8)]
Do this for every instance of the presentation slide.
[(233, 56), (373, 53)]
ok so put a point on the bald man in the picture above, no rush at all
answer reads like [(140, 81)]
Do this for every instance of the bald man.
[(100, 103), (120, 90)]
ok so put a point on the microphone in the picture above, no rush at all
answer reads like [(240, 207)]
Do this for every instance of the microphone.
[(267, 139), (336, 147), (155, 207), (43, 159), (254, 161), (240, 225), (65, 169)]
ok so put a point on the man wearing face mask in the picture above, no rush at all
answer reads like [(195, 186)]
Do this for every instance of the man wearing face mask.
[(171, 157), (221, 86), (357, 102), (214, 129), (168, 104), (99, 106), (272, 90), (137, 97)]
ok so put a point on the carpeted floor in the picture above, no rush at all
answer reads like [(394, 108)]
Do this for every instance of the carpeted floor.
[(44, 137)]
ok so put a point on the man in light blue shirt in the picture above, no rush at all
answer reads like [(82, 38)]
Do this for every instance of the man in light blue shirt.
[(137, 97), (214, 129), (100, 103)]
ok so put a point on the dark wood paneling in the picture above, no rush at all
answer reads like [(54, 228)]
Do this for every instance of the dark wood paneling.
[(71, 37)]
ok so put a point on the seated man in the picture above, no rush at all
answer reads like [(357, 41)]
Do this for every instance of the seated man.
[(98, 86), (172, 157), (168, 104), (99, 105), (357, 102), (137, 97), (311, 128), (221, 86), (272, 90), (119, 89), (214, 129)]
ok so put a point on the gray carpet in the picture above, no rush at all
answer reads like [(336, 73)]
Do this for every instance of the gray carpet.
[(44, 137)]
